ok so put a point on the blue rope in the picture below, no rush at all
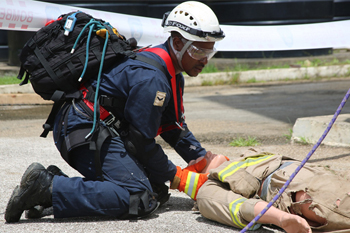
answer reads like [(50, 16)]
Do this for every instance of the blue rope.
[(87, 52), (92, 21), (92, 24), (98, 86), (256, 219), (98, 25)]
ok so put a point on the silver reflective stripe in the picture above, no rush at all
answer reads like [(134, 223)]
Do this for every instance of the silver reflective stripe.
[(191, 184)]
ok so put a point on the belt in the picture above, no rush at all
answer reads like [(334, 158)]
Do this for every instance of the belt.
[(267, 181)]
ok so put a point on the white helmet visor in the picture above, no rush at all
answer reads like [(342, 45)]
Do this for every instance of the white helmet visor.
[(200, 53)]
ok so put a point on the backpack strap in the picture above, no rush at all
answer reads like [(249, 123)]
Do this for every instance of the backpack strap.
[(164, 55), (152, 62), (59, 82), (59, 98)]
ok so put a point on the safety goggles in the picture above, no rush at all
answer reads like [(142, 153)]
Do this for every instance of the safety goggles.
[(200, 53)]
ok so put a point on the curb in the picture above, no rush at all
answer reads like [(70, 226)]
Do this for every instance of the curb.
[(310, 129), (22, 99), (16, 89)]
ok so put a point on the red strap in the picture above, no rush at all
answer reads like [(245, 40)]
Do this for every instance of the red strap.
[(103, 112), (170, 67), (51, 21), (166, 57)]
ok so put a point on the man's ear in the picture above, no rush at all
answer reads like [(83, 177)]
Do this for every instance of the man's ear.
[(177, 43)]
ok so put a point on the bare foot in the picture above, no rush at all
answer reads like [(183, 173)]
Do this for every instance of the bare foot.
[(294, 224)]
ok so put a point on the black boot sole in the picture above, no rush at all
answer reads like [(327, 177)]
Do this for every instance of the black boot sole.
[(38, 212), (22, 193)]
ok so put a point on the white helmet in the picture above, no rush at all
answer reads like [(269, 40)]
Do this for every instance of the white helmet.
[(195, 21)]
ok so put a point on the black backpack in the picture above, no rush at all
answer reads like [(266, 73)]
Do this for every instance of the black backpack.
[(66, 53), (49, 64)]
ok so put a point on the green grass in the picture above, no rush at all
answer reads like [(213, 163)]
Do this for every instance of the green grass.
[(304, 141), (240, 142), (238, 67), (210, 68), (289, 135), (207, 83), (252, 80), (233, 80), (6, 80)]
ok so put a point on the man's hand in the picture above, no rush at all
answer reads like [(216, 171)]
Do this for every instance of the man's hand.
[(189, 179), (294, 223), (289, 222)]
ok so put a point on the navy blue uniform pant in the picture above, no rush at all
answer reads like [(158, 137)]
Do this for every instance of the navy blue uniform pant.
[(123, 175)]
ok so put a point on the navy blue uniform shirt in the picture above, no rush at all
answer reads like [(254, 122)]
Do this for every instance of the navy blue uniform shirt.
[(141, 83)]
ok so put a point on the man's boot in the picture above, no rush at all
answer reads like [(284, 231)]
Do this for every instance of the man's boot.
[(56, 171), (39, 211), (35, 189)]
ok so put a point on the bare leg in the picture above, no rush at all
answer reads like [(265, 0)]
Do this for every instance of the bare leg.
[(289, 222)]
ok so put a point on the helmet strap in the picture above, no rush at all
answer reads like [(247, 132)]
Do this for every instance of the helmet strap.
[(179, 54)]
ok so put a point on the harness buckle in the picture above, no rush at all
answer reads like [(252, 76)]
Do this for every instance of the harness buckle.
[(109, 120), (112, 123), (178, 125)]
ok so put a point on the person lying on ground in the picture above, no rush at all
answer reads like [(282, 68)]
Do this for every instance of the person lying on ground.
[(238, 190)]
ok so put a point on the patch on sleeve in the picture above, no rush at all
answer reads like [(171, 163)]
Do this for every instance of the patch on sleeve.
[(160, 98)]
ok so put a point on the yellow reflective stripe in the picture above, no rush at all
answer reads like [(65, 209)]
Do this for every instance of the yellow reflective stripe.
[(234, 209), (235, 166), (191, 184)]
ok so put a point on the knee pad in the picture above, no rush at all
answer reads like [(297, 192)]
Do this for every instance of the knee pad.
[(141, 205), (136, 144)]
